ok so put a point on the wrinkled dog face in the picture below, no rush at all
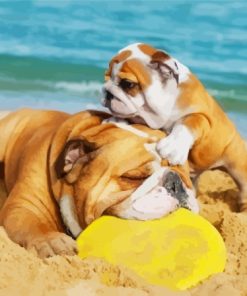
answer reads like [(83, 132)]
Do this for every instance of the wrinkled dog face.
[(113, 172), (143, 82)]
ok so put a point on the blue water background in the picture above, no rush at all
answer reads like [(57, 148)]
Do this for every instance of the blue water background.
[(53, 53)]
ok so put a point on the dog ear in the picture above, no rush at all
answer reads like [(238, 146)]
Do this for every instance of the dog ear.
[(76, 151), (167, 67)]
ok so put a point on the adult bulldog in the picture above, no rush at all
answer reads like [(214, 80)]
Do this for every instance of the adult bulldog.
[(63, 171), (147, 85)]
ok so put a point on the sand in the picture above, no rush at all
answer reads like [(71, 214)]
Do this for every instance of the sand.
[(21, 273)]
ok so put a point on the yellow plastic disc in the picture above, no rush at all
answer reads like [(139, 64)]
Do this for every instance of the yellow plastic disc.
[(177, 251)]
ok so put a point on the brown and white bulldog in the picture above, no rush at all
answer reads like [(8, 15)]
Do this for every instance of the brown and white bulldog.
[(144, 84), (63, 171)]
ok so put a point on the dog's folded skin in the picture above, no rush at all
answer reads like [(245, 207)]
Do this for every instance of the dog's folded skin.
[(161, 193), (30, 215), (147, 85), (64, 171)]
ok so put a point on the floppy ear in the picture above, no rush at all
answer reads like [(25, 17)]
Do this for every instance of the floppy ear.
[(75, 151), (167, 67)]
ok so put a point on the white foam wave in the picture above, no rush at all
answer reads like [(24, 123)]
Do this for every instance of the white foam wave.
[(87, 88), (229, 93), (92, 87)]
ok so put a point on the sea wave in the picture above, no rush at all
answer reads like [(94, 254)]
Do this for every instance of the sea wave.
[(85, 88), (25, 74), (236, 94), (37, 49), (33, 68), (53, 54), (83, 32), (12, 100)]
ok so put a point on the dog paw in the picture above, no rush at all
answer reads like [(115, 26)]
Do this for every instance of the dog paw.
[(169, 149), (175, 147), (51, 244)]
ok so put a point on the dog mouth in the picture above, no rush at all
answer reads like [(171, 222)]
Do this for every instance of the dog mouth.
[(117, 107), (166, 183), (160, 194), (173, 185)]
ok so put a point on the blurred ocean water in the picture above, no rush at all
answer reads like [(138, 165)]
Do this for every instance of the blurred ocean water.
[(53, 53)]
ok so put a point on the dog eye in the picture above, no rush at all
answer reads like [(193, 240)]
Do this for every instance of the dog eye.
[(126, 84)]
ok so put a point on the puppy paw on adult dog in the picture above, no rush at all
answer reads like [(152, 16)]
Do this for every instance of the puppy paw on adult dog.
[(176, 146)]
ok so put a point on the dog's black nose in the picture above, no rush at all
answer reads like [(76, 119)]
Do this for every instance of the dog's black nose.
[(108, 95), (174, 186)]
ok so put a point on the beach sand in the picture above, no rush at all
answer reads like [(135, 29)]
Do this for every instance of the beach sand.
[(21, 273)]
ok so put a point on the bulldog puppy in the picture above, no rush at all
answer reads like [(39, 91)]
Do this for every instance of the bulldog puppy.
[(64, 171), (149, 86)]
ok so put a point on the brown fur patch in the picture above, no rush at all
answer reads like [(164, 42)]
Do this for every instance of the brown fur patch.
[(127, 183), (136, 68), (1, 170), (208, 123), (189, 91), (160, 56), (128, 76), (117, 59), (147, 49)]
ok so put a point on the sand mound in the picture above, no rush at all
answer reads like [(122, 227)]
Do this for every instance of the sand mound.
[(217, 194), (21, 273)]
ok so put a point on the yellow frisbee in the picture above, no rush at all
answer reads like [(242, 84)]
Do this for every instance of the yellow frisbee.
[(177, 251)]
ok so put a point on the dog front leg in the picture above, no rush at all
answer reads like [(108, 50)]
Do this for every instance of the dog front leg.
[(176, 146), (32, 226)]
